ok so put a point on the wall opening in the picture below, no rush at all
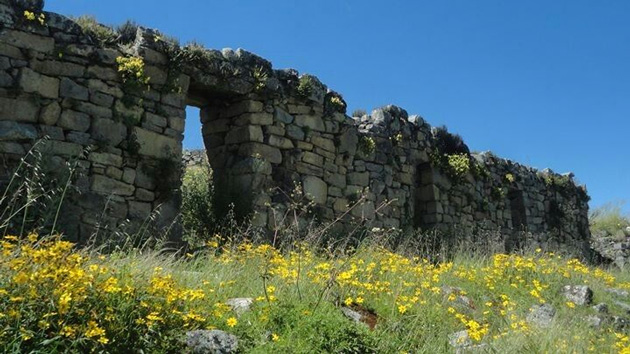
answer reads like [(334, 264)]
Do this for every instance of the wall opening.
[(221, 139), (517, 208), (427, 209)]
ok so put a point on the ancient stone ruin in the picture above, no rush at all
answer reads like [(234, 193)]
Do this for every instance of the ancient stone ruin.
[(114, 102)]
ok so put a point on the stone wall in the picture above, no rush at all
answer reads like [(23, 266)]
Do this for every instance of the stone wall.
[(266, 132)]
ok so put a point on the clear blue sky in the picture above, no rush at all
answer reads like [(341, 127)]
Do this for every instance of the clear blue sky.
[(545, 83)]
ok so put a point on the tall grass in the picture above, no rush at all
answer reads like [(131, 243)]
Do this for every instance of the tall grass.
[(609, 220), (416, 289)]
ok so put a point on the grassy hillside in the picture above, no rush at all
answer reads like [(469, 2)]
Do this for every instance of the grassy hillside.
[(56, 298)]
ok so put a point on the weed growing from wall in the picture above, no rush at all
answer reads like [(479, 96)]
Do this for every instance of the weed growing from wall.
[(334, 103), (35, 17), (127, 32), (101, 34), (359, 113), (260, 76), (131, 69), (306, 86), (366, 145)]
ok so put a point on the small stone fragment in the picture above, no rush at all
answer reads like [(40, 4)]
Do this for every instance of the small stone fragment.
[(541, 315), (459, 339), (240, 305)]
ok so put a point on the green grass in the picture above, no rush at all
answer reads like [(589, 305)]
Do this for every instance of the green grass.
[(298, 292), (609, 220)]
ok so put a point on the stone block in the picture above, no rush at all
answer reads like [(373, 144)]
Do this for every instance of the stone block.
[(96, 85), (62, 148), (308, 169), (252, 165), (295, 132), (176, 123), (144, 195), (327, 154), (341, 205), (244, 134), (156, 75), (275, 130), (299, 109), (326, 144), (106, 185), (11, 51), (12, 148), (139, 210), (156, 145), (78, 138), (302, 145), (279, 115), (59, 68), (154, 119), (103, 112), (109, 131), (266, 152), (72, 120), (144, 179), (313, 159), (106, 159), (405, 178), (113, 172), (364, 210), (359, 178), (53, 132), (32, 82), (102, 73), (254, 118), (101, 99), (217, 126), (315, 189), (6, 80), (12, 130), (280, 142), (70, 89), (49, 115), (247, 106), (27, 41), (336, 179), (312, 122), (129, 175)]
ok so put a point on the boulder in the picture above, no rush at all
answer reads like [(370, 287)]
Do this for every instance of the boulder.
[(578, 294), (211, 342)]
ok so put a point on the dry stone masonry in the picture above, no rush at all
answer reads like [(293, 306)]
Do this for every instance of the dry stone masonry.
[(114, 102)]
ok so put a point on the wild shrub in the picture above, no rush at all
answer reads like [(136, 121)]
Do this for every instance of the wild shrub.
[(197, 215), (101, 34), (608, 220), (448, 143), (359, 112)]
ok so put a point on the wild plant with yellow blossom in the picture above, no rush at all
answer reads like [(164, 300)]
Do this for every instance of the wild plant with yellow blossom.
[(56, 297)]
